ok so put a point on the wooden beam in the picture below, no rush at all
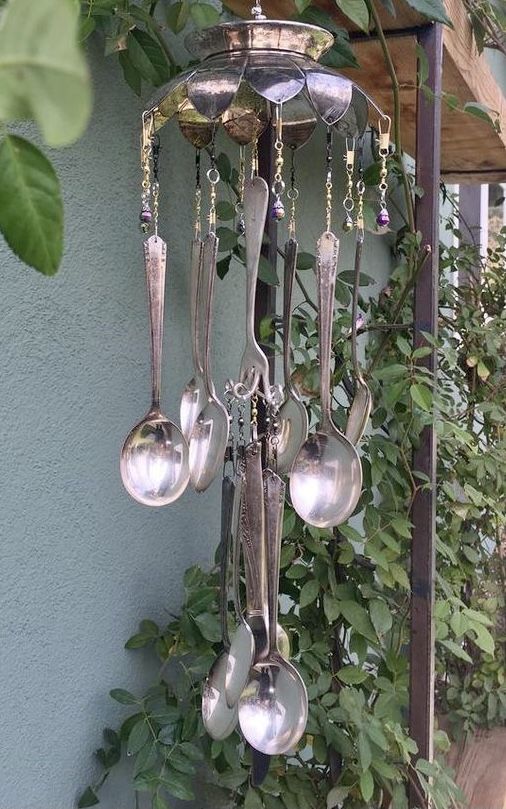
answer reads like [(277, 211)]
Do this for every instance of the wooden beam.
[(423, 514), (471, 150)]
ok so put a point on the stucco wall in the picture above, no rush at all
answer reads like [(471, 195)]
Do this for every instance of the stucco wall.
[(81, 563)]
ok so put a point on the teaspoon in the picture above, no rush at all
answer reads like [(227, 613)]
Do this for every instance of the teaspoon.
[(292, 418), (193, 396), (154, 458), (274, 705), (362, 401), (209, 435), (326, 479)]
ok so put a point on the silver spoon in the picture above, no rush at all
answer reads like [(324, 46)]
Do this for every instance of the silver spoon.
[(193, 395), (219, 719), (273, 707), (249, 640), (293, 419), (209, 436), (326, 478), (362, 401), (154, 457), (254, 363)]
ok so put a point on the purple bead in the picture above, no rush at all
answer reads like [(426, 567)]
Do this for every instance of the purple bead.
[(146, 216), (278, 210), (383, 219)]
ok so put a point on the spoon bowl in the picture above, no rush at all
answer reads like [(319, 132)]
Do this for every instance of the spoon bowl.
[(154, 461), (219, 719), (292, 433), (273, 708), (208, 442), (326, 480)]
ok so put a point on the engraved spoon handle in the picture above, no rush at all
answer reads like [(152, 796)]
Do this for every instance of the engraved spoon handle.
[(195, 308), (256, 200), (155, 262), (274, 493), (208, 275), (227, 500), (253, 530), (327, 253), (291, 248)]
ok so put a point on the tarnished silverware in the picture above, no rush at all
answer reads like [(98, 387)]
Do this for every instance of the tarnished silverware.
[(326, 479), (293, 419), (154, 457), (274, 705), (220, 719), (209, 435), (254, 363), (362, 401), (194, 392)]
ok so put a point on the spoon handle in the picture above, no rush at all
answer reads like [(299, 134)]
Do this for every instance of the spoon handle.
[(291, 248), (227, 501), (195, 309), (236, 542), (155, 262), (274, 494), (362, 401), (208, 275), (327, 252), (256, 200), (253, 531)]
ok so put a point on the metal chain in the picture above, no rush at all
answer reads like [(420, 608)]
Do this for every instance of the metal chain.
[(239, 206), (278, 186), (348, 201), (328, 183), (293, 195)]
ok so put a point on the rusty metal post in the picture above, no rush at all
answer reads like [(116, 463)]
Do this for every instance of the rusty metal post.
[(266, 294), (428, 160)]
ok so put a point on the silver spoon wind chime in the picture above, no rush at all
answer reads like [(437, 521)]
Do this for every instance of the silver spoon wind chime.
[(253, 75)]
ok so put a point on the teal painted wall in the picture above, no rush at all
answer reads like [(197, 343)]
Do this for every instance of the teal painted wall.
[(81, 563)]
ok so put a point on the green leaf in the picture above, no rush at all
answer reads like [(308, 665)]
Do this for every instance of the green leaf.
[(483, 639), (130, 74), (305, 261), (356, 615), (225, 210), (356, 11), (159, 802), (177, 16), (367, 785), (480, 111), (223, 266), (209, 626), (331, 607), (432, 9), (337, 795), (31, 208), (267, 273), (124, 697), (381, 616), (309, 592), (88, 798), (364, 751), (138, 641), (352, 675), (422, 396), (139, 735), (227, 237), (178, 785), (147, 57), (252, 799), (180, 762), (204, 15), (43, 72), (456, 650)]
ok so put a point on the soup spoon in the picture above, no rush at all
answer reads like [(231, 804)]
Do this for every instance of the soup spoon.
[(292, 418), (247, 645), (209, 435), (274, 705), (326, 479), (154, 458)]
